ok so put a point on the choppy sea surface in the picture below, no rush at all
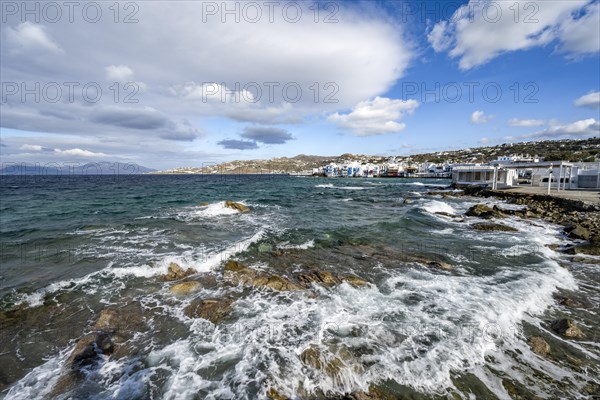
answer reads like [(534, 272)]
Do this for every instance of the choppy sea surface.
[(73, 246)]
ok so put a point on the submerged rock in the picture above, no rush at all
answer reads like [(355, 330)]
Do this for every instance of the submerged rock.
[(492, 227), (237, 206), (213, 310), (185, 288), (312, 357), (539, 345), (354, 281), (175, 272), (567, 328)]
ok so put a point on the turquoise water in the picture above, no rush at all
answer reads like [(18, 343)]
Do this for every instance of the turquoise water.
[(73, 246)]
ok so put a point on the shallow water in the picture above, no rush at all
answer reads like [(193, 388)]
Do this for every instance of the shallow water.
[(73, 246)]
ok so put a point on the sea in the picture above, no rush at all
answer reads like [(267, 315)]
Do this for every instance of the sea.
[(73, 246)]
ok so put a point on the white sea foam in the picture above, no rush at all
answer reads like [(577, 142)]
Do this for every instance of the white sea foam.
[(324, 185), (303, 246), (434, 206), (414, 344), (210, 211)]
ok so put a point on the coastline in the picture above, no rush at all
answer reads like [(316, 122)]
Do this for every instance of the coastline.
[(579, 219)]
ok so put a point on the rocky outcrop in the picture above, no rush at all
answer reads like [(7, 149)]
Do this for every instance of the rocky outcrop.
[(185, 288), (539, 346), (354, 281), (109, 336), (213, 310), (175, 272), (567, 328), (492, 227), (237, 206), (236, 273), (324, 278), (577, 232), (483, 211), (312, 357)]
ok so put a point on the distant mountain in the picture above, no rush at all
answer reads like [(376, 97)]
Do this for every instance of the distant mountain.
[(66, 169)]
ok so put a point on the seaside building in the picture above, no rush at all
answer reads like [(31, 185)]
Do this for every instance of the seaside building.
[(560, 175)]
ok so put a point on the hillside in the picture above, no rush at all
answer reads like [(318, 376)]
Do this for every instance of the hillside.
[(569, 150)]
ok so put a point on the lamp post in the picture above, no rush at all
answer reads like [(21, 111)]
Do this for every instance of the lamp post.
[(550, 177)]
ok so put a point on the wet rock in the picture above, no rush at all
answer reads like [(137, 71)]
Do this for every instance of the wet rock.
[(354, 281), (578, 232), (312, 357), (408, 201), (175, 273), (539, 345), (185, 288), (237, 206), (483, 211), (567, 328), (320, 277), (213, 310), (275, 282), (441, 265), (434, 263), (236, 273), (491, 227), (273, 394), (567, 302), (88, 349)]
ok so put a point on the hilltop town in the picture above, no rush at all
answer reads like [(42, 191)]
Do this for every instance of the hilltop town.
[(586, 150)]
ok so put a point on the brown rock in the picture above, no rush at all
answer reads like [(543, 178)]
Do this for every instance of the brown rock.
[(539, 345), (312, 357), (237, 206), (276, 283), (579, 232), (175, 273), (237, 273), (567, 328), (320, 277), (213, 310), (185, 288), (491, 227), (273, 394), (88, 349), (483, 211), (354, 281)]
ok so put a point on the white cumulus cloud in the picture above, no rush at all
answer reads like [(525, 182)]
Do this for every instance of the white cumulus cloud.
[(119, 73), (526, 123), (79, 153), (378, 116), (591, 100), (31, 147), (479, 117), (483, 29), (30, 36)]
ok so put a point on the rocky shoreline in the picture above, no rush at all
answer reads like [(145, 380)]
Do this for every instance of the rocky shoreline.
[(580, 220)]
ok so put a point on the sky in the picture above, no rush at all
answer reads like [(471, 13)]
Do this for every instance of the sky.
[(169, 84)]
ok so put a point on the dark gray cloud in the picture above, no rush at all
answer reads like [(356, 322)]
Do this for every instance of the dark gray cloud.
[(143, 118), (267, 135), (238, 144)]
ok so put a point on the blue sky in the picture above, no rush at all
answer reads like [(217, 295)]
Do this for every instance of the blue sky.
[(405, 77)]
